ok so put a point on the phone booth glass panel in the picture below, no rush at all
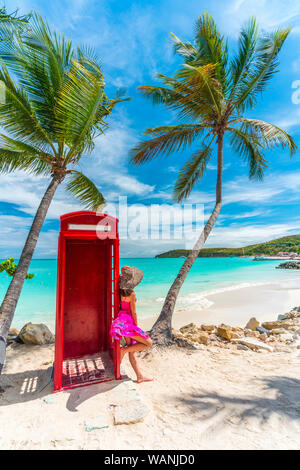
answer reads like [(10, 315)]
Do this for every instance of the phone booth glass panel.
[(87, 300)]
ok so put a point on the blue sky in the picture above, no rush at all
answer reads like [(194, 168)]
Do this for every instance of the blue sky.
[(132, 40)]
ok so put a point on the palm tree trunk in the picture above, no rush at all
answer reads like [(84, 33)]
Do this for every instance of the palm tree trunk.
[(12, 295), (161, 332)]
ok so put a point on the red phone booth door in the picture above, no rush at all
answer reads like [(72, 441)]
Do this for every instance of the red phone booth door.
[(87, 313), (86, 309)]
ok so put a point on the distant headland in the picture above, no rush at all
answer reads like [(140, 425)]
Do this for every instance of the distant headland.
[(279, 247)]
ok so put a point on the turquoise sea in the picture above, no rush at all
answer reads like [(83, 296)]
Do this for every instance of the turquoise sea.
[(208, 275)]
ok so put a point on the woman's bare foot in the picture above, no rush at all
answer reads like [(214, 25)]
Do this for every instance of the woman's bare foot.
[(139, 380)]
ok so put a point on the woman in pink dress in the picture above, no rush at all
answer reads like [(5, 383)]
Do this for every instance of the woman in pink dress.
[(125, 325)]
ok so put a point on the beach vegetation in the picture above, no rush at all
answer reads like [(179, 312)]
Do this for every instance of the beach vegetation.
[(289, 244), (9, 267)]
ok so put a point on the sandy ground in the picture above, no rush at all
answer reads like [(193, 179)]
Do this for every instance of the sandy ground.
[(208, 399), (235, 307)]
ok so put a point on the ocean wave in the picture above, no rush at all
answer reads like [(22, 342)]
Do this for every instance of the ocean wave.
[(198, 300)]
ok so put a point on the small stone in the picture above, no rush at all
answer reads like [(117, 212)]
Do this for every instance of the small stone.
[(98, 422), (177, 334), (224, 332), (188, 328), (49, 399), (36, 334), (251, 333), (261, 330), (208, 327), (234, 334), (130, 412), (252, 324), (223, 325), (203, 338), (243, 347), (263, 337), (281, 317), (184, 343), (278, 331), (13, 332), (271, 325), (253, 343)]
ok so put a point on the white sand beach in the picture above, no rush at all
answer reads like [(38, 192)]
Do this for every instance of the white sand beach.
[(210, 398), (234, 306)]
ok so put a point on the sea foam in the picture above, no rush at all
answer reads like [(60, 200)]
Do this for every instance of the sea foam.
[(198, 300)]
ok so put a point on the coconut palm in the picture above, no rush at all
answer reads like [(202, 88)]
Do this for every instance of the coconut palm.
[(213, 92), (51, 116)]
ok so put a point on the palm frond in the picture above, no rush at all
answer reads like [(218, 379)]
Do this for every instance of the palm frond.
[(190, 94), (185, 49), (202, 84), (81, 107), (10, 23), (18, 117), (267, 134), (160, 95), (25, 148), (40, 59), (191, 173), (265, 65), (13, 160), (250, 150), (85, 191), (212, 48), (167, 139), (241, 64)]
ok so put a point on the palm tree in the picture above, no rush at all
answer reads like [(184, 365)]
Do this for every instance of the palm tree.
[(52, 116), (212, 92)]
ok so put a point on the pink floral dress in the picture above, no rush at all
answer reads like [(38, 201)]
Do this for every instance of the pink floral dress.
[(124, 324)]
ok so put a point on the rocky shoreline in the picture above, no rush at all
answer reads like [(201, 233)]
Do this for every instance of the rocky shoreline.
[(289, 265), (281, 335)]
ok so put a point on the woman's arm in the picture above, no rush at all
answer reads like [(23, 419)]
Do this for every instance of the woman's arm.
[(133, 307)]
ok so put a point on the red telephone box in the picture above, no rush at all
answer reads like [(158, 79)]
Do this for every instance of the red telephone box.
[(87, 300)]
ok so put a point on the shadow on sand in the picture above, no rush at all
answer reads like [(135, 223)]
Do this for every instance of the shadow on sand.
[(33, 384), (285, 402)]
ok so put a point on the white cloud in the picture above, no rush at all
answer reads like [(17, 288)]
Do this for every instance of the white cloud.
[(237, 235), (14, 231), (108, 166), (271, 14), (244, 215), (26, 191), (289, 118), (214, 167), (277, 187)]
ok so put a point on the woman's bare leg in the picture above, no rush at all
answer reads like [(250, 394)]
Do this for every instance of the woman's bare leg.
[(132, 360), (139, 346), (131, 349)]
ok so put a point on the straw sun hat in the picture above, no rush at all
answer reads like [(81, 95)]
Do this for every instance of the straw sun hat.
[(130, 277)]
